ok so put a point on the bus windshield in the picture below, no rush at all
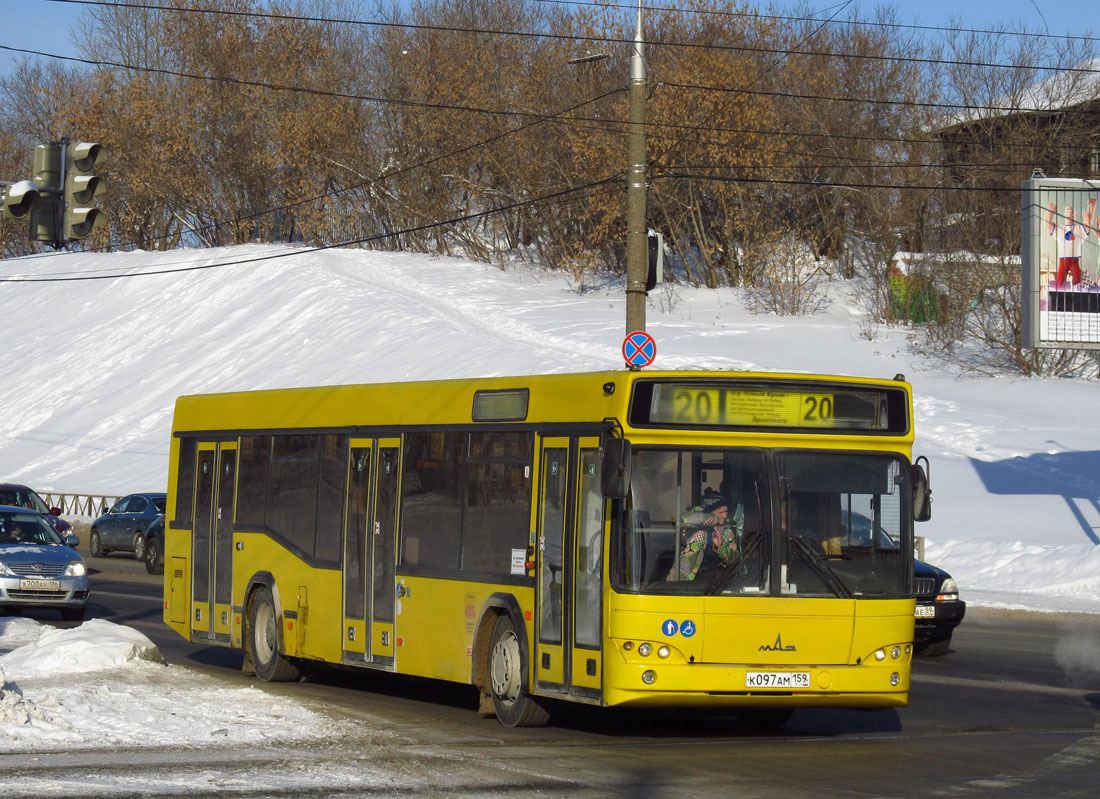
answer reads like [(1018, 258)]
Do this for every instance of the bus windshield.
[(744, 522)]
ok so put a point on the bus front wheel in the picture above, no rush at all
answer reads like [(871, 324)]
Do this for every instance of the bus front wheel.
[(514, 707), (263, 630)]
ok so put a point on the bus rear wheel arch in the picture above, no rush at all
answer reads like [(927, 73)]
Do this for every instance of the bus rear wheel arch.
[(513, 705), (264, 639)]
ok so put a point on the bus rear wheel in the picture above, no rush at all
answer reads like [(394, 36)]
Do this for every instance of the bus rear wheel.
[(263, 632), (514, 707)]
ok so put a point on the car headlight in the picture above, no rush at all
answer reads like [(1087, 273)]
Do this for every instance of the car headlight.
[(949, 591), (76, 569), (5, 571)]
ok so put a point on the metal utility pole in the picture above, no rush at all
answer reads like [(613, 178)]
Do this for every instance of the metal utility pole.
[(637, 254)]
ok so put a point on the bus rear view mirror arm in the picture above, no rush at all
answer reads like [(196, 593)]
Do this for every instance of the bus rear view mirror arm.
[(615, 474)]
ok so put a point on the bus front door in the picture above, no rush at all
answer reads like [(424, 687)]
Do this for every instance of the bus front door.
[(369, 545), (212, 542), (570, 568)]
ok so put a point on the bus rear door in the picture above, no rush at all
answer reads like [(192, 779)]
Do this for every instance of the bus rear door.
[(212, 541)]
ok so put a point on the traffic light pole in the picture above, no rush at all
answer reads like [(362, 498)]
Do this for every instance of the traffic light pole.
[(637, 246)]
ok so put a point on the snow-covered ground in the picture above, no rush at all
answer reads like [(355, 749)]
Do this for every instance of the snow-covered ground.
[(104, 685), (93, 368)]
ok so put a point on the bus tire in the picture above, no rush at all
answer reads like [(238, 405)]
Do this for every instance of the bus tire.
[(264, 640), (514, 707)]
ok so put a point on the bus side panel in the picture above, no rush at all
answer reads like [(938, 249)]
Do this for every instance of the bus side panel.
[(307, 595), (436, 621)]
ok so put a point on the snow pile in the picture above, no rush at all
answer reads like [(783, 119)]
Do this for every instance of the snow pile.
[(103, 685), (95, 645), (15, 709)]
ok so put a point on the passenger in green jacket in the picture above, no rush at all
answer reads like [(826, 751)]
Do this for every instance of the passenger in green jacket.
[(710, 540)]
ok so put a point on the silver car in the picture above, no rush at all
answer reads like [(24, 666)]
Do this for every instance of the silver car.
[(38, 567)]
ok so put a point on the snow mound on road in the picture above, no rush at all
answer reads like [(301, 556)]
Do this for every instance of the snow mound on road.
[(95, 645)]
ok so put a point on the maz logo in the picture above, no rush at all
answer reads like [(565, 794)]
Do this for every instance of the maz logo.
[(777, 646)]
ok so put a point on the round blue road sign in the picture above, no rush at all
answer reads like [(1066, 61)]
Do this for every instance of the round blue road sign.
[(639, 349)]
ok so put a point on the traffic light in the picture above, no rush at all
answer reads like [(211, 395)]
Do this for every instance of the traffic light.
[(47, 180), (19, 199), (81, 189)]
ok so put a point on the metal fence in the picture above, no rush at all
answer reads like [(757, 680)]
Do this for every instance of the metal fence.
[(86, 506)]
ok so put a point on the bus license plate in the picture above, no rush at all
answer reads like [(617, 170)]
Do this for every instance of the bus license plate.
[(925, 612), (777, 679), (39, 585)]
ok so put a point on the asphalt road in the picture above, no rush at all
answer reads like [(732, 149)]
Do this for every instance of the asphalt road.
[(1012, 711)]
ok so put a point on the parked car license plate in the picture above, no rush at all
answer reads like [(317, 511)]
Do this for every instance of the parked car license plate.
[(39, 585), (925, 612), (777, 679)]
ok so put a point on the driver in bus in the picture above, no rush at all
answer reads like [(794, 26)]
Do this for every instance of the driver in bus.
[(711, 541)]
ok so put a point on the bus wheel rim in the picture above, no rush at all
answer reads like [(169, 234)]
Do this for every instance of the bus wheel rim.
[(265, 633), (505, 668)]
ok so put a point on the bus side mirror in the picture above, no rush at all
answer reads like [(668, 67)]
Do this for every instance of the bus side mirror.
[(922, 492), (615, 474)]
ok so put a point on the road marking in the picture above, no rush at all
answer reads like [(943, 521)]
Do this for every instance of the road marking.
[(999, 685), (157, 598)]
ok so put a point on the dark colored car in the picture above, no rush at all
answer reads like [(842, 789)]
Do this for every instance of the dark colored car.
[(939, 609), (125, 526), (154, 547), (19, 496), (39, 567)]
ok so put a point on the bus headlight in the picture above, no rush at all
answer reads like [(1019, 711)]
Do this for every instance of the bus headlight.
[(880, 654), (895, 678), (649, 676), (895, 653), (644, 650), (663, 652)]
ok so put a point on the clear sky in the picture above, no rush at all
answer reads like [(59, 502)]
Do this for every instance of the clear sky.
[(45, 24)]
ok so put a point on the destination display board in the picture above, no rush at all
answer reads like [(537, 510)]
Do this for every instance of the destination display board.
[(816, 406)]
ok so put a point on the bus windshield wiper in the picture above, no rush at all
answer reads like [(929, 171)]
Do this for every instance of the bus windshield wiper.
[(816, 559), (729, 570)]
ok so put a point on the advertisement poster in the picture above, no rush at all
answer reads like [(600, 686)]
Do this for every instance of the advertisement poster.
[(1061, 263)]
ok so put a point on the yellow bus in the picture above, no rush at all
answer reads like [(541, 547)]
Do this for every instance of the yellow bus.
[(692, 539)]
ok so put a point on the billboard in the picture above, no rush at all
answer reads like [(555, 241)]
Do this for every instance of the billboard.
[(1061, 263)]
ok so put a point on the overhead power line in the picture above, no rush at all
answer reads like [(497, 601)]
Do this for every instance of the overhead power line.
[(833, 184), (605, 184), (650, 124), (863, 23), (578, 38)]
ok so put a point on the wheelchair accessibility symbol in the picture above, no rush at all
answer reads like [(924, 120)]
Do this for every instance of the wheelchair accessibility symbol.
[(686, 628)]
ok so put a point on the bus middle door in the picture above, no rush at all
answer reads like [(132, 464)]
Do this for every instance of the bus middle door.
[(369, 545)]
